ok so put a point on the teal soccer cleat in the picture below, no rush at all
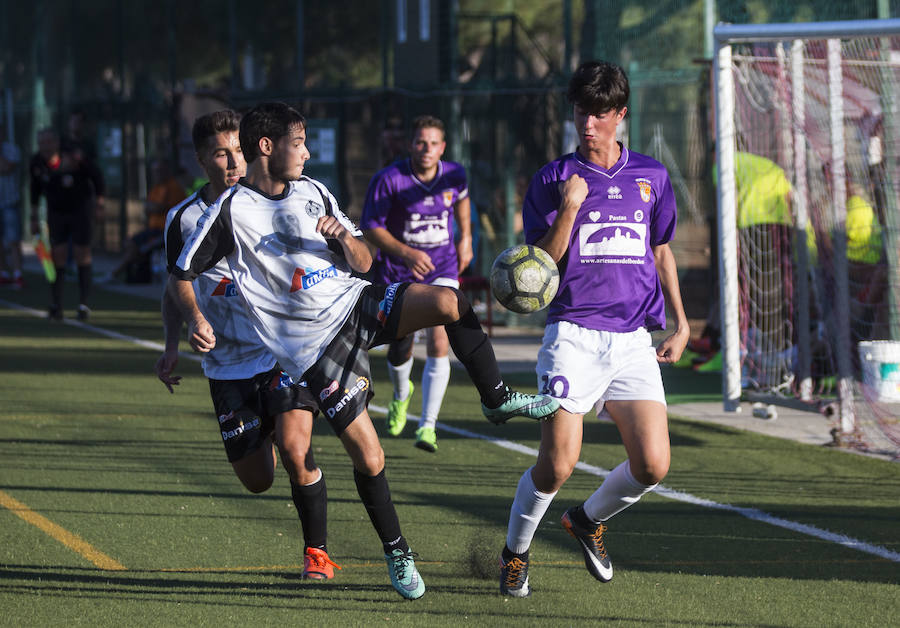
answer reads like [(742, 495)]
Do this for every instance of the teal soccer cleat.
[(404, 576)]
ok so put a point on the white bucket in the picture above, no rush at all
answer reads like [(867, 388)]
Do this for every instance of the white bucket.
[(880, 361)]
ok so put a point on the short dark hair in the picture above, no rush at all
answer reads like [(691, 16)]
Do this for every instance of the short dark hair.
[(428, 122), (211, 124), (269, 119), (598, 87)]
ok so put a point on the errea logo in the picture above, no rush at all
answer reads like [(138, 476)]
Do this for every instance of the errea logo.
[(614, 192)]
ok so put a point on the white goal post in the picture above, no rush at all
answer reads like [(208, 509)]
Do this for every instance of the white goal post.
[(816, 93)]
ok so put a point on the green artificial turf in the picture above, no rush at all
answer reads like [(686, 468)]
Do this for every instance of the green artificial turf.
[(92, 442)]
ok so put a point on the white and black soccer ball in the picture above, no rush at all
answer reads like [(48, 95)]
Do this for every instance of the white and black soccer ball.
[(524, 278)]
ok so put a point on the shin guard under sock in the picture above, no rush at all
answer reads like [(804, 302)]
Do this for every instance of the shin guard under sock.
[(311, 501), (376, 497), (473, 348)]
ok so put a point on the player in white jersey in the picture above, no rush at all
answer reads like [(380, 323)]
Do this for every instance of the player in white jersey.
[(606, 215), (294, 275), (257, 404)]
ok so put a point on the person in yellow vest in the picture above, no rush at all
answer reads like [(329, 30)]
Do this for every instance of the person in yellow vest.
[(764, 223), (766, 269), (866, 269)]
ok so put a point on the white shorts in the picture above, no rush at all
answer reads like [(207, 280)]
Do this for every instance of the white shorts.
[(585, 368), (446, 282)]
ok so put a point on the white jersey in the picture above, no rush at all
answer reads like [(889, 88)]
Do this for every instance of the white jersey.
[(298, 289), (239, 353)]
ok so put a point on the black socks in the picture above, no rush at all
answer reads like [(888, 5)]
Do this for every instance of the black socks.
[(311, 502), (376, 497), (473, 348)]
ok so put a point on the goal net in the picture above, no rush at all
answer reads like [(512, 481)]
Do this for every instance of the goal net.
[(807, 144)]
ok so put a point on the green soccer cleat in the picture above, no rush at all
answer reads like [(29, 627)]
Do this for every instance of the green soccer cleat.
[(396, 418), (426, 439), (537, 407), (404, 576)]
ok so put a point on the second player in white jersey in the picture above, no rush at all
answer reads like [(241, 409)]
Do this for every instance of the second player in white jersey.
[(239, 352)]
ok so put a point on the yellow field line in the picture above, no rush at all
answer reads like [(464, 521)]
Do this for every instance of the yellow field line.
[(72, 541)]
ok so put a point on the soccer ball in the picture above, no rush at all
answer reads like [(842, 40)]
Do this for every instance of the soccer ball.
[(524, 278)]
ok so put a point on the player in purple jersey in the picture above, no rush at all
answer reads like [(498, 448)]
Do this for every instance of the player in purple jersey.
[(409, 212), (317, 318), (258, 406), (605, 215)]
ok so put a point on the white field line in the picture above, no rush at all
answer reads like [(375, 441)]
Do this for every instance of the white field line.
[(749, 513)]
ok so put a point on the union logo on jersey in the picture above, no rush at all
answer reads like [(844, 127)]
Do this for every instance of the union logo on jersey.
[(646, 190), (448, 197), (306, 278), (224, 289)]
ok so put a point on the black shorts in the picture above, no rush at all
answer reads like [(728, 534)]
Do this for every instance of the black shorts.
[(246, 408), (341, 380), (77, 224)]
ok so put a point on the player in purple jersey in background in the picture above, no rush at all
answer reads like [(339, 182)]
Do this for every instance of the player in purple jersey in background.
[(606, 215), (409, 212)]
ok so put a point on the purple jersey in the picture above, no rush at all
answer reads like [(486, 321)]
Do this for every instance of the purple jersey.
[(418, 214), (608, 278)]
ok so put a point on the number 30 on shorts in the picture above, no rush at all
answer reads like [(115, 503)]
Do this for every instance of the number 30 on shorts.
[(556, 386)]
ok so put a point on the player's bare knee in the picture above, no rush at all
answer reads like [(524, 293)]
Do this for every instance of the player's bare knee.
[(650, 471), (258, 483), (451, 304), (298, 464), (549, 476), (369, 462)]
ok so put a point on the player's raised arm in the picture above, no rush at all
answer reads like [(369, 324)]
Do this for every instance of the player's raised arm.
[(355, 250), (572, 193)]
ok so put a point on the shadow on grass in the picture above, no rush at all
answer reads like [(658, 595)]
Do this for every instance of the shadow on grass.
[(671, 537)]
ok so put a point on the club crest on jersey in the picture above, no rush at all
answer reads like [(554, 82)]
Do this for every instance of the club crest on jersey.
[(361, 385), (306, 278), (384, 307), (644, 187), (314, 210), (224, 289), (448, 197), (614, 192), (325, 393)]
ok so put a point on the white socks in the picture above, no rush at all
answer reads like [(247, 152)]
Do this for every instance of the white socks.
[(527, 510), (400, 378), (618, 491), (435, 378)]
